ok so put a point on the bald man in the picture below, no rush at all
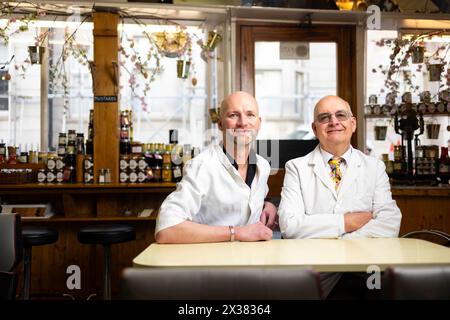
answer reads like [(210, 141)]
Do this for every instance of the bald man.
[(222, 194), (336, 191)]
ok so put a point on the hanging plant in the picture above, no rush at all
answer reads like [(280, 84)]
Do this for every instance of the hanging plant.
[(171, 44), (402, 50), (141, 71), (209, 46)]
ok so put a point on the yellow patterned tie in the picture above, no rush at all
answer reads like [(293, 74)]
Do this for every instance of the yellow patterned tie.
[(336, 174)]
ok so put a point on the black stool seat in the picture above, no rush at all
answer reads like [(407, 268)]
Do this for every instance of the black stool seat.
[(38, 236), (106, 234)]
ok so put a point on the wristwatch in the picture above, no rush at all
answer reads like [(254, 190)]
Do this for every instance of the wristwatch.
[(232, 233)]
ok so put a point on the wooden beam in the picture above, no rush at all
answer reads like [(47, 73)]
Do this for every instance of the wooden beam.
[(106, 114)]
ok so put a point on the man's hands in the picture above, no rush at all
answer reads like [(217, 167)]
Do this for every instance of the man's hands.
[(355, 220), (269, 216), (253, 232)]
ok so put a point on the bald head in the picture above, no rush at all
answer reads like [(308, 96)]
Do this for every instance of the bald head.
[(331, 101), (238, 98)]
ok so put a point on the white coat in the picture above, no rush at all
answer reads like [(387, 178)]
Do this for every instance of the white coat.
[(212, 192), (310, 207)]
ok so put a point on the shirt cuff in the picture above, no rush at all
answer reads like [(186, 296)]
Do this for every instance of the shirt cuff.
[(341, 225), (273, 200)]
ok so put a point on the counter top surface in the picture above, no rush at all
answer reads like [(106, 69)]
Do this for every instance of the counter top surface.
[(323, 255)]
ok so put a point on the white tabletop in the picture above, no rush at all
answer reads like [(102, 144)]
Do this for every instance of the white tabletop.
[(322, 255)]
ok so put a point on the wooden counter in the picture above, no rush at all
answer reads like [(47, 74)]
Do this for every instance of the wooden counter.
[(78, 205)]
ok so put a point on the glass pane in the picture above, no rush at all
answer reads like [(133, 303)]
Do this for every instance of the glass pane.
[(171, 102), (287, 89), (20, 96), (71, 100), (70, 96)]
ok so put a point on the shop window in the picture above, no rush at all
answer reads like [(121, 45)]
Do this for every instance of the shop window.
[(411, 77)]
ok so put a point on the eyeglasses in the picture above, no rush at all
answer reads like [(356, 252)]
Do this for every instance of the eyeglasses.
[(340, 115)]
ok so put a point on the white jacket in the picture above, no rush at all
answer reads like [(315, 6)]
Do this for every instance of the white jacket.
[(212, 192), (311, 208)]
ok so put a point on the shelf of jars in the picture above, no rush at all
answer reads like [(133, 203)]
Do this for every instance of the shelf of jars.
[(85, 187), (425, 106), (425, 114)]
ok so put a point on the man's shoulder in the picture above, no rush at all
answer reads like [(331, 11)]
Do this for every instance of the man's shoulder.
[(301, 161), (205, 157), (263, 163), (369, 161)]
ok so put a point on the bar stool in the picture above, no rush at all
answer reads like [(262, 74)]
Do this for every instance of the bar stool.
[(34, 236), (106, 235)]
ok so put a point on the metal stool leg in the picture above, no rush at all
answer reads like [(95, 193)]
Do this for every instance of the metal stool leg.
[(26, 273), (107, 272)]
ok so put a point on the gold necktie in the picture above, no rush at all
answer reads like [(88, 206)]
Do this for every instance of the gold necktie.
[(336, 174)]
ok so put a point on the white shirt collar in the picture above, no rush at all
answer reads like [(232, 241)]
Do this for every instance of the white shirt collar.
[(327, 156)]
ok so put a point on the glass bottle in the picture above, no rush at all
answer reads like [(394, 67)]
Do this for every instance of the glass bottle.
[(2, 152), (444, 166), (80, 143)]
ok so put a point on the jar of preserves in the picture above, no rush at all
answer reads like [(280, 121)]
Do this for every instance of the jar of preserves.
[(157, 173), (51, 162), (61, 150), (59, 176), (32, 157), (133, 177), (59, 163), (136, 147), (42, 157), (176, 173), (72, 137), (133, 164), (123, 177), (167, 155), (166, 174), (41, 176), (142, 176), (23, 158), (124, 162), (88, 177), (142, 164), (62, 139), (51, 176), (88, 162)]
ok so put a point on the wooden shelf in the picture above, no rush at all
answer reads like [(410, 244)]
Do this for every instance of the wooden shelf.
[(368, 116), (421, 191), (34, 166), (91, 219), (92, 188)]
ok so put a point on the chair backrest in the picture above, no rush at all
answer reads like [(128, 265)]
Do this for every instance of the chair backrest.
[(217, 283), (443, 237), (421, 282), (11, 244)]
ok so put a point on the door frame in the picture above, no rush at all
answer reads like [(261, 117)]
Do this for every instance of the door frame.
[(248, 32)]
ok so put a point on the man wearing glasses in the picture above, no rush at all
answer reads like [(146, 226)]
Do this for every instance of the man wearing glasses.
[(336, 191)]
